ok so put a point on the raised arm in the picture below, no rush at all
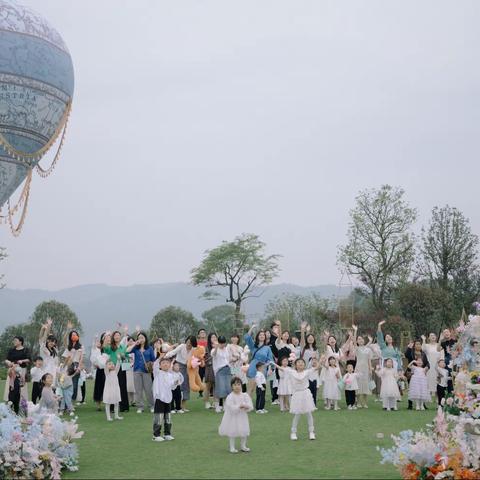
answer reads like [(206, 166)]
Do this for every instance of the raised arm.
[(303, 327), (380, 337), (173, 352)]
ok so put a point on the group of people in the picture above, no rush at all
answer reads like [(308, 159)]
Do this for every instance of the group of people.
[(233, 378)]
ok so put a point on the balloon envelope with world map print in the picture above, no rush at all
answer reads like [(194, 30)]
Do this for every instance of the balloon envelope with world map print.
[(36, 89)]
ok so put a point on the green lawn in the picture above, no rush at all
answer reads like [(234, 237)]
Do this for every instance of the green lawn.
[(345, 446)]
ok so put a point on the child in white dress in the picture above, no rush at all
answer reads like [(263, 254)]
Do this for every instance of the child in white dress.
[(284, 387), (350, 379), (302, 400), (389, 392), (443, 376), (418, 391), (111, 390), (331, 392), (235, 419)]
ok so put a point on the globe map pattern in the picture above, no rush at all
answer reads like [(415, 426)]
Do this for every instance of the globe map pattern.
[(36, 89)]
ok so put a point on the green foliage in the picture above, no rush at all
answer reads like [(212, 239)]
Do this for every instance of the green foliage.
[(380, 246), (220, 319), (173, 324), (239, 266), (448, 259), (61, 316), (292, 309)]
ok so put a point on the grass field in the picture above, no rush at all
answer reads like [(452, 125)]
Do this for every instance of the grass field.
[(345, 446)]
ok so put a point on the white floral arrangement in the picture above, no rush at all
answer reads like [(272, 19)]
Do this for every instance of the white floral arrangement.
[(36, 445)]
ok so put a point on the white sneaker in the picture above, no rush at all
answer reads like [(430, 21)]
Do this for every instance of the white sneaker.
[(158, 439), (259, 411), (275, 402), (337, 408), (233, 450), (109, 419), (311, 436), (354, 407), (180, 411), (245, 449), (168, 437), (139, 410), (388, 409), (349, 407), (264, 411), (218, 409), (293, 436), (173, 411), (152, 410), (395, 408), (365, 406), (118, 418), (207, 406)]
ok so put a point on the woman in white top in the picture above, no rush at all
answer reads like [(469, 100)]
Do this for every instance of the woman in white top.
[(223, 375), (308, 345), (49, 350), (182, 354), (74, 352), (236, 355), (434, 352)]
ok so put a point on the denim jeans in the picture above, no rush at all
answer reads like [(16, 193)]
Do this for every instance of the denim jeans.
[(66, 403)]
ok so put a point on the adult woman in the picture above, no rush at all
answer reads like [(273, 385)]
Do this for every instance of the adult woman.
[(236, 355), (209, 378), (98, 359), (183, 353), (434, 352), (260, 352), (387, 348), (363, 368), (74, 354), (283, 345), (223, 375), (48, 350), (142, 373), (130, 380), (117, 352), (308, 345), (349, 348), (18, 358)]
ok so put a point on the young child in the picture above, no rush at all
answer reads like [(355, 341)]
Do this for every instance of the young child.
[(389, 392), (163, 383), (418, 389), (331, 392), (235, 419), (351, 386), (461, 380), (302, 400), (221, 357), (261, 383), (65, 387), (37, 373), (443, 376), (314, 379), (177, 390), (111, 390), (48, 400), (284, 390)]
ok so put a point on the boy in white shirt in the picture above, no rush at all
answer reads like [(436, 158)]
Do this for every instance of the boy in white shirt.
[(261, 383), (37, 373), (163, 383)]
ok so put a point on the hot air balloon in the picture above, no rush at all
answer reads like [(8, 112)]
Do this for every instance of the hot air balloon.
[(36, 89)]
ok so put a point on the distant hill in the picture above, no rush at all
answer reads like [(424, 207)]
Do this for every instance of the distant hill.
[(100, 307)]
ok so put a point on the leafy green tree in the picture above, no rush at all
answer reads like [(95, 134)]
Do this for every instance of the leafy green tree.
[(3, 256), (240, 267), (173, 324), (448, 258), (63, 320), (293, 309), (380, 245), (220, 319)]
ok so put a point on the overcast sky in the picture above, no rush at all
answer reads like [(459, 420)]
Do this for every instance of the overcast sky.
[(195, 121)]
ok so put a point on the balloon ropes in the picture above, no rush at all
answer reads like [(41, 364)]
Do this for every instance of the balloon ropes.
[(36, 90)]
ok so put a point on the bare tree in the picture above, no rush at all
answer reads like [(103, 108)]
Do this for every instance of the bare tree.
[(380, 246)]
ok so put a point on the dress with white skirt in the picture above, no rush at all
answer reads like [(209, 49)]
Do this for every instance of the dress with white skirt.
[(302, 400), (330, 383), (284, 384), (418, 389), (389, 383), (433, 356), (111, 391), (235, 419), (364, 354)]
